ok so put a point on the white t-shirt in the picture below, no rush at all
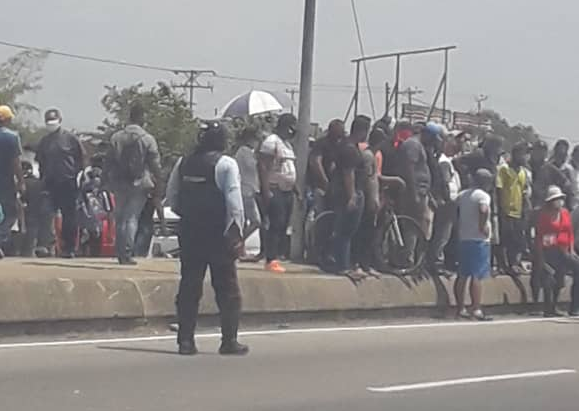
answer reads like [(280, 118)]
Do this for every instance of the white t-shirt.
[(454, 185), (284, 168), (469, 203)]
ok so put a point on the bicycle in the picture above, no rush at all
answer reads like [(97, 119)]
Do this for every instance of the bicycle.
[(394, 235)]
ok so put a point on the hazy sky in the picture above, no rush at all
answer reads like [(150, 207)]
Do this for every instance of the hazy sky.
[(520, 52)]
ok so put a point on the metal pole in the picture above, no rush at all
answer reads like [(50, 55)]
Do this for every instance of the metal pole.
[(444, 92), (357, 89), (397, 85), (304, 120), (387, 105), (191, 80), (433, 106)]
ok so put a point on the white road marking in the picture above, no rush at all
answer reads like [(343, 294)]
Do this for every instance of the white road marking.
[(472, 380), (279, 332)]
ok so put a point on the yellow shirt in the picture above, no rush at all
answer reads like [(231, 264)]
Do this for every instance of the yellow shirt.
[(512, 184)]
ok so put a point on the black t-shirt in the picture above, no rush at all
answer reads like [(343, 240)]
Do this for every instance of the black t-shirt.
[(348, 157), (473, 161), (412, 153), (327, 148)]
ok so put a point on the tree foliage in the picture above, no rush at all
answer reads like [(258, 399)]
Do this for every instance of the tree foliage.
[(511, 134), (21, 76), (167, 115)]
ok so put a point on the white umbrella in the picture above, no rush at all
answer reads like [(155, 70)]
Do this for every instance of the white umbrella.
[(255, 102)]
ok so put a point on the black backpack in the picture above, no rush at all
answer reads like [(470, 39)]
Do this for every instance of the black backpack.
[(131, 161)]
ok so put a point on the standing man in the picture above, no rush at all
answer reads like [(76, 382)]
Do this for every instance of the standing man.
[(134, 164), (474, 224), (417, 175), (205, 191), (277, 171), (446, 213), (60, 158), (247, 162), (559, 160), (322, 162), (511, 186), (347, 191), (11, 176)]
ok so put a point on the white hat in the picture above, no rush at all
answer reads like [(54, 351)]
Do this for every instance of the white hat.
[(554, 193)]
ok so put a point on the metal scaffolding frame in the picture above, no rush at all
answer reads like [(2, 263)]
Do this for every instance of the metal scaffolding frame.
[(442, 87)]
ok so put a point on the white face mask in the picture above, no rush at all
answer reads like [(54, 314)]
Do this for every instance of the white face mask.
[(51, 128)]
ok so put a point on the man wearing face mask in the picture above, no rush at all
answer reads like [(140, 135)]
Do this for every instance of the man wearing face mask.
[(60, 158), (277, 172)]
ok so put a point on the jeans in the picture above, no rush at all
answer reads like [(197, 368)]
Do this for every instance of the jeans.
[(8, 202), (513, 238), (278, 213), (564, 263), (64, 197), (444, 220), (129, 204), (345, 226), (200, 250)]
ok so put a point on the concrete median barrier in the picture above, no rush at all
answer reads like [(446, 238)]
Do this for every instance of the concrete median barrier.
[(88, 290)]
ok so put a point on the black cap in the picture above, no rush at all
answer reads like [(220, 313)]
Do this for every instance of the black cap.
[(52, 115)]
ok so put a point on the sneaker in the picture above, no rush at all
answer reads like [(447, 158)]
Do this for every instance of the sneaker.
[(574, 313), (463, 314), (68, 255), (553, 314), (233, 348), (187, 348), (275, 267), (480, 316)]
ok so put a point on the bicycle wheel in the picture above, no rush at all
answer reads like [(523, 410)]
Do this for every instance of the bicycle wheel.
[(322, 241), (400, 255)]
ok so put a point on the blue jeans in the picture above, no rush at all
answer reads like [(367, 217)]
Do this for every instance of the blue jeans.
[(129, 204), (8, 202), (346, 225)]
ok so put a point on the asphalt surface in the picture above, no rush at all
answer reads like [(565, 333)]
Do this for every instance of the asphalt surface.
[(309, 370)]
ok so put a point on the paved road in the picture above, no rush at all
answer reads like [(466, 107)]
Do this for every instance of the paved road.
[(534, 364)]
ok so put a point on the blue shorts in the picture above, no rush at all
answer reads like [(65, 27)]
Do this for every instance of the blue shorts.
[(474, 259)]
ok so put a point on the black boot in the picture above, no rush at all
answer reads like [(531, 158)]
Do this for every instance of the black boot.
[(232, 347), (187, 348)]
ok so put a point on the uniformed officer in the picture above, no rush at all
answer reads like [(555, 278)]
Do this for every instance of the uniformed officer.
[(205, 191)]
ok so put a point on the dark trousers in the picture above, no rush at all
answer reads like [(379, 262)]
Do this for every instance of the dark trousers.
[(513, 239), (278, 213), (64, 196), (200, 250), (562, 263), (363, 241), (145, 230), (346, 224)]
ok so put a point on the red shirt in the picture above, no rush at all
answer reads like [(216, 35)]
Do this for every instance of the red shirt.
[(555, 233)]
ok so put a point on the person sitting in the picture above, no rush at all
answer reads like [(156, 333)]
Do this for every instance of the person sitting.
[(555, 254)]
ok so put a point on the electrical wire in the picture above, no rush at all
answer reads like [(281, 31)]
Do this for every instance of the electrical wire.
[(361, 44)]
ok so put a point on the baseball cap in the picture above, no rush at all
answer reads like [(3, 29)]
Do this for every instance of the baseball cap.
[(436, 130), (52, 116), (6, 113)]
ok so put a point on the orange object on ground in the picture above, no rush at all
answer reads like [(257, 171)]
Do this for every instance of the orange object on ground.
[(275, 267)]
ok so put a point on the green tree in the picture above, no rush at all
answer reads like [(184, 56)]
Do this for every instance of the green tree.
[(511, 134), (167, 117), (21, 76)]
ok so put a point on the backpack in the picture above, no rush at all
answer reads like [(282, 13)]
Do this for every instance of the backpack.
[(131, 160)]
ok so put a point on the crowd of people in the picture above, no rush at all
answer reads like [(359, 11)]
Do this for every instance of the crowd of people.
[(483, 210)]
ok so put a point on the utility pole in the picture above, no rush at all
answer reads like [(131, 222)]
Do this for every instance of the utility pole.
[(387, 102), (481, 98), (409, 93), (304, 120), (192, 82), (292, 92)]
